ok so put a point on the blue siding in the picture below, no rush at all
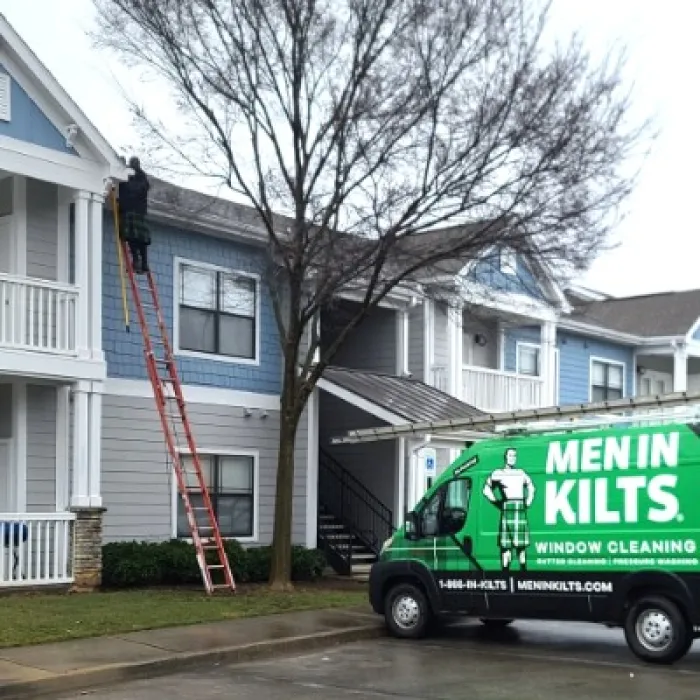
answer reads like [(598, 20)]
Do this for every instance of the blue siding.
[(513, 336), (488, 272), (124, 351), (575, 352), (696, 335), (29, 124)]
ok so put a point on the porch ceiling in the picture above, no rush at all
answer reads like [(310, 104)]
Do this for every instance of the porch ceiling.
[(387, 396)]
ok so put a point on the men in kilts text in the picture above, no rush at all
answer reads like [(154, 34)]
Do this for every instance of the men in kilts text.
[(511, 490)]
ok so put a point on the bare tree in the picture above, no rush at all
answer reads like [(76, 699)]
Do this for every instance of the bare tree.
[(369, 123)]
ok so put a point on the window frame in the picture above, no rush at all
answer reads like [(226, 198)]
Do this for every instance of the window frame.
[(176, 498), (608, 362), (536, 346), (179, 265)]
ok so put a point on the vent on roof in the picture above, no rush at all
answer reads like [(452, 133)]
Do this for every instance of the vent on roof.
[(5, 87)]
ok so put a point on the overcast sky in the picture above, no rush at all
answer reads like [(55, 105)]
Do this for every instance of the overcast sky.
[(659, 243)]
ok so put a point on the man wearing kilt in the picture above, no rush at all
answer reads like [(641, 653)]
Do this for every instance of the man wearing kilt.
[(511, 490), (133, 208)]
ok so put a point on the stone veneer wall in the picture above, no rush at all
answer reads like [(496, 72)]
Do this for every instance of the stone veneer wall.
[(87, 549)]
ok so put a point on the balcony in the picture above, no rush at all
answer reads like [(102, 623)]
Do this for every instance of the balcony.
[(494, 391), (37, 315)]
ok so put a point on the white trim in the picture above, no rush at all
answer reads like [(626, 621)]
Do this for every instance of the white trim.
[(82, 272), (95, 276), (95, 449), (526, 344), (598, 332), (400, 483), (557, 376), (312, 448), (47, 81), (29, 160), (19, 214), (402, 334), (396, 300), (6, 92), (63, 428), (224, 452), (44, 365), (606, 361), (680, 368), (501, 345), (178, 262), (691, 332), (19, 437), (361, 403), (215, 396)]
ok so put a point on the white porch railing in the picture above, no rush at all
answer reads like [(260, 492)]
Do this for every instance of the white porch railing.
[(494, 391), (37, 315), (35, 549)]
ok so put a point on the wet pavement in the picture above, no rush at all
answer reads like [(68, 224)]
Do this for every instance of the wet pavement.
[(536, 661)]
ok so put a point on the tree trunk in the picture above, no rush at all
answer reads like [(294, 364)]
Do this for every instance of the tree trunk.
[(281, 565)]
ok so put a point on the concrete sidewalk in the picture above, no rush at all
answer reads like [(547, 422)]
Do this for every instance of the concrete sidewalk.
[(49, 669)]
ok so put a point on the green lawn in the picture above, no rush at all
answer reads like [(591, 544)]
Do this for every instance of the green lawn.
[(39, 618)]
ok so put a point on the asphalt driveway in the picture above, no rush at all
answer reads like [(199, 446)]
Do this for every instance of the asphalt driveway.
[(537, 661)]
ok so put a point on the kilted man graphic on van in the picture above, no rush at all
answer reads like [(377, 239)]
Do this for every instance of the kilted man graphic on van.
[(511, 490)]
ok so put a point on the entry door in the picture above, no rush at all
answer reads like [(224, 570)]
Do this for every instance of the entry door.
[(5, 476)]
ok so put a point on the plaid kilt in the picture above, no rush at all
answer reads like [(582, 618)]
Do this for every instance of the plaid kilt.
[(133, 227), (514, 530)]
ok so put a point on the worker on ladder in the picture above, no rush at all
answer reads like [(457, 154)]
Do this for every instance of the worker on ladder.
[(133, 208)]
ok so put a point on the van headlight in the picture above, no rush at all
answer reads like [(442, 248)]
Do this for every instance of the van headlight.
[(386, 545)]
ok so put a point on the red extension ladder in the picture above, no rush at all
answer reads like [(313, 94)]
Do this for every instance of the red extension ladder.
[(167, 390)]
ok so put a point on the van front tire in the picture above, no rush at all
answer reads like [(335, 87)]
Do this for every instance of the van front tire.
[(656, 630), (407, 611)]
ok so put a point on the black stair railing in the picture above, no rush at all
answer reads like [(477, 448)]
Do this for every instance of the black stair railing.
[(354, 507)]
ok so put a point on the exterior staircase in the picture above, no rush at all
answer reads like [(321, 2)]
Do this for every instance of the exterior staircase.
[(352, 522)]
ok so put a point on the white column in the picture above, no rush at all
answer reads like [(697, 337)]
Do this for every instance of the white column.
[(680, 368), (95, 445), (428, 340), (548, 345), (95, 276), (80, 496), (312, 408), (82, 270), (401, 342), (501, 345), (400, 482), (62, 448)]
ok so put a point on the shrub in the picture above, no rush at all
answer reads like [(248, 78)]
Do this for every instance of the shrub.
[(173, 563)]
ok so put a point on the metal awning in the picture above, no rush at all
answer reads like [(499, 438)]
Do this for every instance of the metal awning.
[(395, 400), (478, 427)]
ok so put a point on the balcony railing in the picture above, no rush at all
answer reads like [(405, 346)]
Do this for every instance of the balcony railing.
[(35, 549), (495, 391), (37, 315)]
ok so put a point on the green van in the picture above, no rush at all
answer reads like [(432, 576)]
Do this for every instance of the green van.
[(599, 525)]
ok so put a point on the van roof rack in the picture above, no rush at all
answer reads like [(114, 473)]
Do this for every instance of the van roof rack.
[(641, 410)]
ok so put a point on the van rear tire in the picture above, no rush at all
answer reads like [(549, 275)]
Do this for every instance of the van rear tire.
[(407, 611), (657, 631)]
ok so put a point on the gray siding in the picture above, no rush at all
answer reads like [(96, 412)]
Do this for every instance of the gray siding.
[(372, 345), (5, 411), (373, 464), (6, 196), (137, 484), (42, 226), (415, 342), (41, 448)]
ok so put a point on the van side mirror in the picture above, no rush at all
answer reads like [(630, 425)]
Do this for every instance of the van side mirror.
[(412, 526)]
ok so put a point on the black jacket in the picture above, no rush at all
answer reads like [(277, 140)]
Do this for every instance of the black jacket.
[(133, 194)]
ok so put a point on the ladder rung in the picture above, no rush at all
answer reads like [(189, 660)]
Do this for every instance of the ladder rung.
[(216, 566)]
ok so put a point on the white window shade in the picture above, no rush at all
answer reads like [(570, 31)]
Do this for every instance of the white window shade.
[(5, 97)]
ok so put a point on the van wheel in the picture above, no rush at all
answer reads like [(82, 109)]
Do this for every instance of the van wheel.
[(656, 630), (495, 622), (408, 613)]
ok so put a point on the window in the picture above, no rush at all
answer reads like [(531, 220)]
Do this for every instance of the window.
[(217, 312), (455, 494), (607, 380), (528, 359), (230, 480)]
